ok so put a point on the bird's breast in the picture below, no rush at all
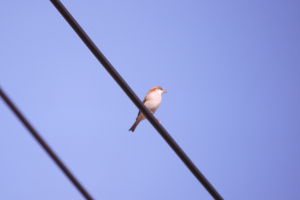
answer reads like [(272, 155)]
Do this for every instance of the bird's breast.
[(153, 101)]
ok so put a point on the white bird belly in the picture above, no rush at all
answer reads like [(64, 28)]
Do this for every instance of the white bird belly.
[(153, 102)]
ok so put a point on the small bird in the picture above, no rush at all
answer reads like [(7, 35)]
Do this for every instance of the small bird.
[(151, 101)]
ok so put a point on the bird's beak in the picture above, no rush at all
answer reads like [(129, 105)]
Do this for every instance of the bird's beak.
[(164, 91)]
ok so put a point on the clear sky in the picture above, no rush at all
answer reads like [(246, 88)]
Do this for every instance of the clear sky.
[(232, 73)]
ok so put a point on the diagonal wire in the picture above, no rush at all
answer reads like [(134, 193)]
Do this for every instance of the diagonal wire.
[(35, 134), (116, 76)]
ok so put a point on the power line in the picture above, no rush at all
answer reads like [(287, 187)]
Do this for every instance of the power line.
[(35, 134), (116, 76)]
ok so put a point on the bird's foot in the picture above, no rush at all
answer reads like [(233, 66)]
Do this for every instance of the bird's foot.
[(158, 120)]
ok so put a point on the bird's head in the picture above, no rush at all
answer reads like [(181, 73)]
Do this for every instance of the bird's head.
[(158, 89)]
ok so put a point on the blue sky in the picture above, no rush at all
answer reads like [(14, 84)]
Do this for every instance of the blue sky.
[(231, 70)]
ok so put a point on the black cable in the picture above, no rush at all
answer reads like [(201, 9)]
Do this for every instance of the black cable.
[(44, 145), (93, 48)]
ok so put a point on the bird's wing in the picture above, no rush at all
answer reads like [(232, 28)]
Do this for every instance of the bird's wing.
[(145, 99)]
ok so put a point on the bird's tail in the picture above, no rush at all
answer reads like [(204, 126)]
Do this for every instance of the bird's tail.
[(134, 125)]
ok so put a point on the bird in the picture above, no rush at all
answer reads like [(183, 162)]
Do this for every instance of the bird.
[(151, 101)]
